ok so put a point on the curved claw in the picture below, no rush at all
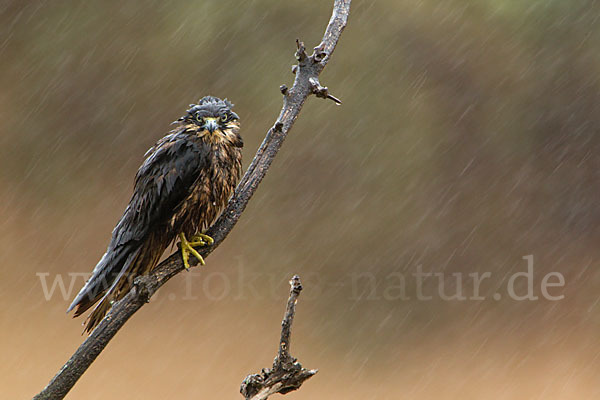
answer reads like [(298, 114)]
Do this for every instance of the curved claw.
[(205, 239)]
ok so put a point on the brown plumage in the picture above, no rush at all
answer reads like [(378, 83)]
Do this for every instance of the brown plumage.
[(182, 187)]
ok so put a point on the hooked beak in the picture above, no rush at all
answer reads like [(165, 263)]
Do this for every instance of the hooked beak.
[(211, 125)]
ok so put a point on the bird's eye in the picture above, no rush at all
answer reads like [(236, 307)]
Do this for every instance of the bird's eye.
[(224, 118), (199, 119)]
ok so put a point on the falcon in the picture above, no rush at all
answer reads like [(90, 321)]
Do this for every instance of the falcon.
[(180, 190)]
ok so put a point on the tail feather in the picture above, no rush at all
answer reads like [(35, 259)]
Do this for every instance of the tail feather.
[(97, 314), (105, 274), (117, 291), (113, 277)]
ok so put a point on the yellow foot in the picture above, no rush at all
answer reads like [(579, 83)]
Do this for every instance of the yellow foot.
[(187, 247)]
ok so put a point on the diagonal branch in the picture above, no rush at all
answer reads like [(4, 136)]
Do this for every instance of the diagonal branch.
[(306, 83)]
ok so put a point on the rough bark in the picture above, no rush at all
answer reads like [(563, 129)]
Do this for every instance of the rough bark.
[(287, 374), (306, 82)]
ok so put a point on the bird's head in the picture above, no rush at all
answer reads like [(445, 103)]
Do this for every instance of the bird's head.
[(213, 120)]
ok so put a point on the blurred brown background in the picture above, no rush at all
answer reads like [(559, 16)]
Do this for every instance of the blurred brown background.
[(468, 139)]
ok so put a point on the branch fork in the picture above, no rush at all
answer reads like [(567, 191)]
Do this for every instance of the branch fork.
[(305, 61), (287, 373), (322, 91)]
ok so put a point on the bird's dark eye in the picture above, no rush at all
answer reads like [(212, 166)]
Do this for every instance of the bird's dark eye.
[(199, 119), (224, 118)]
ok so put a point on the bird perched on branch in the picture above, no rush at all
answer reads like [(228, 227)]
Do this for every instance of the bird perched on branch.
[(180, 190)]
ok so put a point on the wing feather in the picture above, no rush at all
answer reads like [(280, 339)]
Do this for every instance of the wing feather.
[(162, 183)]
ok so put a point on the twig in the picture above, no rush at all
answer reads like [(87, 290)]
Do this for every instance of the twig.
[(145, 286), (283, 355), (287, 374)]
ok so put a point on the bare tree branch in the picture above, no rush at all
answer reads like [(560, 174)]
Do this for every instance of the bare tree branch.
[(287, 374), (306, 83)]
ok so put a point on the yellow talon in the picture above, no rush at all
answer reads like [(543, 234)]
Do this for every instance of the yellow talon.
[(186, 249)]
